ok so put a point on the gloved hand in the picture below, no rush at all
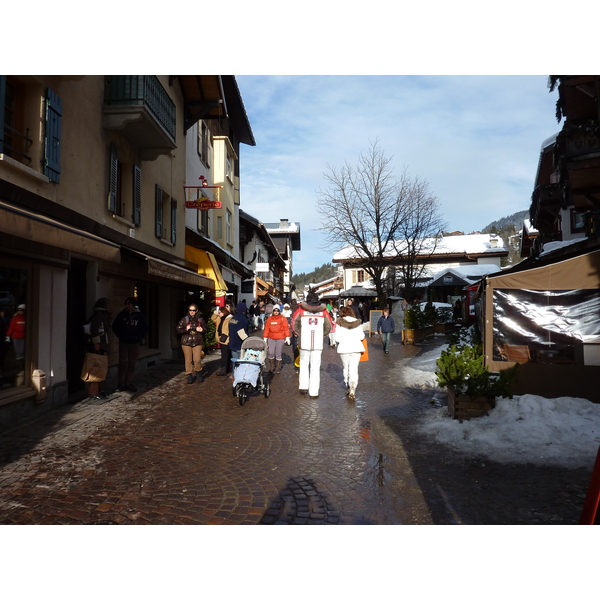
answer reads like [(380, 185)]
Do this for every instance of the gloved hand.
[(287, 341)]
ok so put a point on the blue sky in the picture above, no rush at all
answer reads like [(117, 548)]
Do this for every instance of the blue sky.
[(475, 139)]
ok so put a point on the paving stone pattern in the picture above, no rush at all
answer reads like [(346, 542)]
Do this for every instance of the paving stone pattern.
[(174, 453)]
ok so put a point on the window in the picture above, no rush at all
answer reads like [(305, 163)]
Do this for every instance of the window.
[(164, 205), (228, 226), (228, 168), (219, 228), (578, 221), (203, 221), (204, 144), (126, 207), (14, 136), (360, 276)]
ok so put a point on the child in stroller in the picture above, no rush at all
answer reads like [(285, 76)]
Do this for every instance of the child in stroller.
[(248, 375)]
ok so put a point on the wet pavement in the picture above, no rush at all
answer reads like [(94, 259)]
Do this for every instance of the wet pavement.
[(174, 453)]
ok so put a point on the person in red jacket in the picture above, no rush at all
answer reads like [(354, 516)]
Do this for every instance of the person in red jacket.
[(16, 331), (277, 331)]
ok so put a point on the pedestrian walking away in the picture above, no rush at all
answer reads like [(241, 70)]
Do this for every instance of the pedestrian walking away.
[(311, 323), (349, 334), (98, 341), (221, 318), (131, 327), (385, 328), (192, 327), (238, 330), (277, 332)]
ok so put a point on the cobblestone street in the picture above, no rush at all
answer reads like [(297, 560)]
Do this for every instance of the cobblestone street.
[(190, 454)]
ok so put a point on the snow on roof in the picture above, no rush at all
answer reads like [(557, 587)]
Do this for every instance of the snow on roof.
[(469, 271), (552, 246), (282, 227), (480, 243), (529, 228)]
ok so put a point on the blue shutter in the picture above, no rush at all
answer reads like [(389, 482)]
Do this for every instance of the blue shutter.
[(173, 221), (113, 180), (137, 196), (52, 142), (2, 102), (159, 211)]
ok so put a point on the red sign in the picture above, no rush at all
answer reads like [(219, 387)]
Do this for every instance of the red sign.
[(203, 204)]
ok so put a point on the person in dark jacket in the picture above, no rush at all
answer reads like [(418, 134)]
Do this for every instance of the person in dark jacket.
[(355, 309), (131, 327), (385, 328), (192, 328), (238, 330)]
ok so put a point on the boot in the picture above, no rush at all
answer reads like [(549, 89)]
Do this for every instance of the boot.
[(278, 369), (191, 378), (271, 364), (199, 377)]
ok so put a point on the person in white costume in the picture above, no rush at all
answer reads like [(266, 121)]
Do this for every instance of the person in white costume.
[(311, 323)]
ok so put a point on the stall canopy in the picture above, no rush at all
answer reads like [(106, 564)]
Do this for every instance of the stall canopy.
[(207, 266), (547, 319), (358, 291)]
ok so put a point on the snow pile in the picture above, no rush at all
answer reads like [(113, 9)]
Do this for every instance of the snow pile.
[(419, 372), (562, 432)]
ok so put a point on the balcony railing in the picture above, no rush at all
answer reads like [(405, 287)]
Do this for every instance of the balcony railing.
[(146, 90), (139, 107)]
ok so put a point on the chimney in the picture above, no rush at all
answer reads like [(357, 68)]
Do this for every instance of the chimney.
[(283, 223)]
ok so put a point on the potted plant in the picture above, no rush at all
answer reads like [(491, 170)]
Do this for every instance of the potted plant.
[(472, 388), (410, 325), (443, 319)]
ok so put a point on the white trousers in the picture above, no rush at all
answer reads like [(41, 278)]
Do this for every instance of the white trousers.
[(310, 371), (350, 362)]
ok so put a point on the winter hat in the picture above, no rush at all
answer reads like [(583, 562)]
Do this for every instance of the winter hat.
[(21, 307), (131, 301), (312, 298), (241, 307)]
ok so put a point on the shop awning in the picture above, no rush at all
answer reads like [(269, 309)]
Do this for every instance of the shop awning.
[(38, 228), (208, 267), (160, 268)]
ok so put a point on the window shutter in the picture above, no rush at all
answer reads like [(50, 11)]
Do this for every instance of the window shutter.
[(173, 221), (159, 211), (137, 196), (2, 102), (113, 180), (52, 141)]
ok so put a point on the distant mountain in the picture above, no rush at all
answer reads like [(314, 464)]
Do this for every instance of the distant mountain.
[(507, 228), (322, 273), (514, 221)]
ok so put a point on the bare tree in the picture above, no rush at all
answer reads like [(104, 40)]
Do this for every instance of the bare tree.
[(380, 220)]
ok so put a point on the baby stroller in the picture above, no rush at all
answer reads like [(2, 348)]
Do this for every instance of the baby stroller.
[(248, 376)]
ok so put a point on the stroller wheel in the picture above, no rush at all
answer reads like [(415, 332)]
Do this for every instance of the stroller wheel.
[(267, 390), (242, 397)]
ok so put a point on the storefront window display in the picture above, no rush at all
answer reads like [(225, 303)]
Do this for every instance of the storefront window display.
[(13, 321)]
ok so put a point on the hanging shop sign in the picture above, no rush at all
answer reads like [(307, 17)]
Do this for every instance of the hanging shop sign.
[(195, 197), (203, 203)]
